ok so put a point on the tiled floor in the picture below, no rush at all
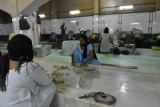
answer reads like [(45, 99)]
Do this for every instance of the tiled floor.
[(145, 63), (132, 88)]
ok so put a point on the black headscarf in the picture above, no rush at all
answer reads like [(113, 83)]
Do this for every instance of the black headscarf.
[(19, 49), (106, 30), (84, 55), (4, 69)]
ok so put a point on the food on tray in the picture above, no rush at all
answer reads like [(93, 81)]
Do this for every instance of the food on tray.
[(89, 68), (58, 80), (61, 67), (67, 73), (58, 74), (77, 65), (58, 77)]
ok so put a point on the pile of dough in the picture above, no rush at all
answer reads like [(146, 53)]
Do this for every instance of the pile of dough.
[(58, 74), (89, 68), (77, 65), (58, 80), (58, 77), (61, 67)]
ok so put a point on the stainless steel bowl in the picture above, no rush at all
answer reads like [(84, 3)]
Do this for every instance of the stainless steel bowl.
[(123, 37), (42, 50)]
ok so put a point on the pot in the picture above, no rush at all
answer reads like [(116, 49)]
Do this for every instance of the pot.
[(123, 37), (158, 37), (139, 36)]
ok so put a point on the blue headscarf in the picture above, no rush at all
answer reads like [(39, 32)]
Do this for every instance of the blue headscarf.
[(84, 55)]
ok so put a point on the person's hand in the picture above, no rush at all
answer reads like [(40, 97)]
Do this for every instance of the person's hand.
[(84, 64), (73, 64)]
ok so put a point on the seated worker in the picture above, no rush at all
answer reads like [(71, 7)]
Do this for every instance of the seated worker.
[(130, 41), (84, 53), (70, 35), (53, 37), (104, 38), (26, 83), (113, 40), (108, 41)]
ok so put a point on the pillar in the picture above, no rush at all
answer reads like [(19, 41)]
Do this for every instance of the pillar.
[(33, 33)]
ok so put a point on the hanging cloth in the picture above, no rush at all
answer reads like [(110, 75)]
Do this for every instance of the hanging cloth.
[(24, 25)]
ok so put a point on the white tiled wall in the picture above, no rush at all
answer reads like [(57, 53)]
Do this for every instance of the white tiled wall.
[(156, 24), (135, 20), (83, 22), (97, 23), (111, 21), (46, 26), (6, 29)]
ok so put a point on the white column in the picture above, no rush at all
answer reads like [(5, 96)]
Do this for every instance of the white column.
[(95, 23), (33, 33), (15, 21), (53, 25)]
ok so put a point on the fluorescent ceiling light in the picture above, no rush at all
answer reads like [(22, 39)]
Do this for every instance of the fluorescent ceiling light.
[(42, 15), (14, 19), (97, 19), (73, 21), (135, 23), (126, 7), (74, 12)]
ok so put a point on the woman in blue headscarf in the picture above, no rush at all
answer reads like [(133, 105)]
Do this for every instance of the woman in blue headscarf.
[(84, 53)]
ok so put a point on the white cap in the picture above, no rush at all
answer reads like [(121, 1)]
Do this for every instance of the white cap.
[(111, 31), (81, 29)]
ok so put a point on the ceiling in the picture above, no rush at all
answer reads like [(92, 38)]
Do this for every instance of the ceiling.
[(61, 8), (5, 17)]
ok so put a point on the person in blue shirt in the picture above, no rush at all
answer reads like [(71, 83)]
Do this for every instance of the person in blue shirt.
[(84, 53)]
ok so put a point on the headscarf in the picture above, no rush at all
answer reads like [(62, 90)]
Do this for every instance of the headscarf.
[(84, 55), (20, 49), (4, 69), (106, 30)]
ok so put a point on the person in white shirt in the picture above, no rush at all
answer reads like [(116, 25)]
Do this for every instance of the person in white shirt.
[(26, 83), (105, 41), (113, 38)]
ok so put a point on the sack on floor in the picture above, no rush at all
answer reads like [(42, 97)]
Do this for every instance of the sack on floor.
[(116, 51), (125, 52), (136, 53)]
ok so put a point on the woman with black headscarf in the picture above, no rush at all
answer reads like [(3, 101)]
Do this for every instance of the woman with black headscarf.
[(26, 83), (84, 53)]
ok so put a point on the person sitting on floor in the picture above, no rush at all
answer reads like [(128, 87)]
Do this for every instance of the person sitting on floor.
[(24, 83), (53, 37), (130, 42), (106, 42), (84, 53)]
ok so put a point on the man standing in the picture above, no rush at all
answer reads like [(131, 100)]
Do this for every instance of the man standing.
[(63, 29)]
